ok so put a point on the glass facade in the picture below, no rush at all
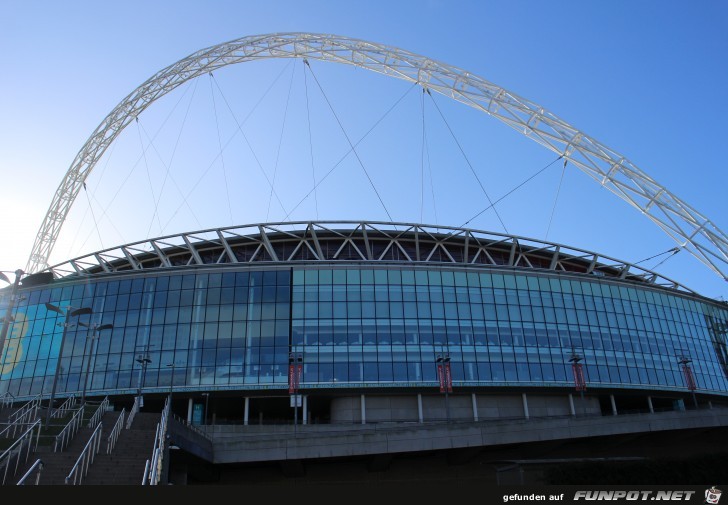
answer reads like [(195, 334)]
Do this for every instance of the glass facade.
[(233, 327)]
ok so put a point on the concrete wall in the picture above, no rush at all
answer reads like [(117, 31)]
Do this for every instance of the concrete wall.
[(404, 408)]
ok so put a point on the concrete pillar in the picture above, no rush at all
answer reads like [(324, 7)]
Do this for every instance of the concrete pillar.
[(246, 414), (189, 410), (420, 416), (305, 409), (710, 405), (649, 404), (475, 407), (614, 405), (260, 418), (572, 409), (363, 409), (525, 406)]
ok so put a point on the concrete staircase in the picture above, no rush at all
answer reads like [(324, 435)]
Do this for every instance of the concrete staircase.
[(125, 465), (57, 465)]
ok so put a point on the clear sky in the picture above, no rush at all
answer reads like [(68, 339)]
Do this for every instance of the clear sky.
[(648, 79)]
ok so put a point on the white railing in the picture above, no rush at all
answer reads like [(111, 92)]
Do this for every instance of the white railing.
[(115, 432), (6, 400), (12, 428), (132, 413), (67, 406), (24, 442), (80, 469), (192, 427), (96, 418), (153, 471), (37, 468), (68, 432), (146, 472), (27, 413)]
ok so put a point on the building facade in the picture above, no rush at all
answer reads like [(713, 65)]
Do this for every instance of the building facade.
[(369, 311)]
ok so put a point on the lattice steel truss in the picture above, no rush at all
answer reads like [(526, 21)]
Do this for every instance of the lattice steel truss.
[(689, 228), (354, 241)]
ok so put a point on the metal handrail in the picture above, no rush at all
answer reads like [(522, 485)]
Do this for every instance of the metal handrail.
[(85, 458), (17, 449), (96, 418), (69, 404), (132, 413), (11, 428), (146, 472), (192, 427), (37, 465), (68, 431), (25, 414), (155, 468), (115, 432), (6, 400)]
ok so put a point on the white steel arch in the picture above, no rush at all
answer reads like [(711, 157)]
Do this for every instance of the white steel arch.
[(689, 228)]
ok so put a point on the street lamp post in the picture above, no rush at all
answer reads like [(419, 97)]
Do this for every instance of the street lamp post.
[(92, 336), (171, 382), (295, 370), (143, 361), (68, 313)]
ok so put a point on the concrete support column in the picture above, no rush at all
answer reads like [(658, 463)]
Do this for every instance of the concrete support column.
[(305, 409), (475, 407), (649, 404), (710, 405), (420, 416), (572, 409), (525, 406), (189, 410), (246, 414), (614, 405), (363, 403)]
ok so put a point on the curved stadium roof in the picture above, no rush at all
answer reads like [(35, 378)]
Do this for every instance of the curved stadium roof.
[(359, 241)]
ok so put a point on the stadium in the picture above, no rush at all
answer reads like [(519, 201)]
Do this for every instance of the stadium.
[(329, 324)]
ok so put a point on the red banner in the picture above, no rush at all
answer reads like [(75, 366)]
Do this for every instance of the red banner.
[(448, 378), (689, 379), (299, 375), (441, 378), (579, 381), (291, 379)]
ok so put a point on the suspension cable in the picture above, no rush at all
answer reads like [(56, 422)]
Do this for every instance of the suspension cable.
[(280, 141), (346, 154), (672, 251), (93, 216), (462, 151), (168, 175), (227, 142), (351, 145), (426, 147), (245, 137), (512, 190), (149, 179), (422, 158), (222, 157), (310, 143), (553, 209), (107, 204)]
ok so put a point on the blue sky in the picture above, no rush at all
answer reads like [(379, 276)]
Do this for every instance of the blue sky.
[(648, 79)]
